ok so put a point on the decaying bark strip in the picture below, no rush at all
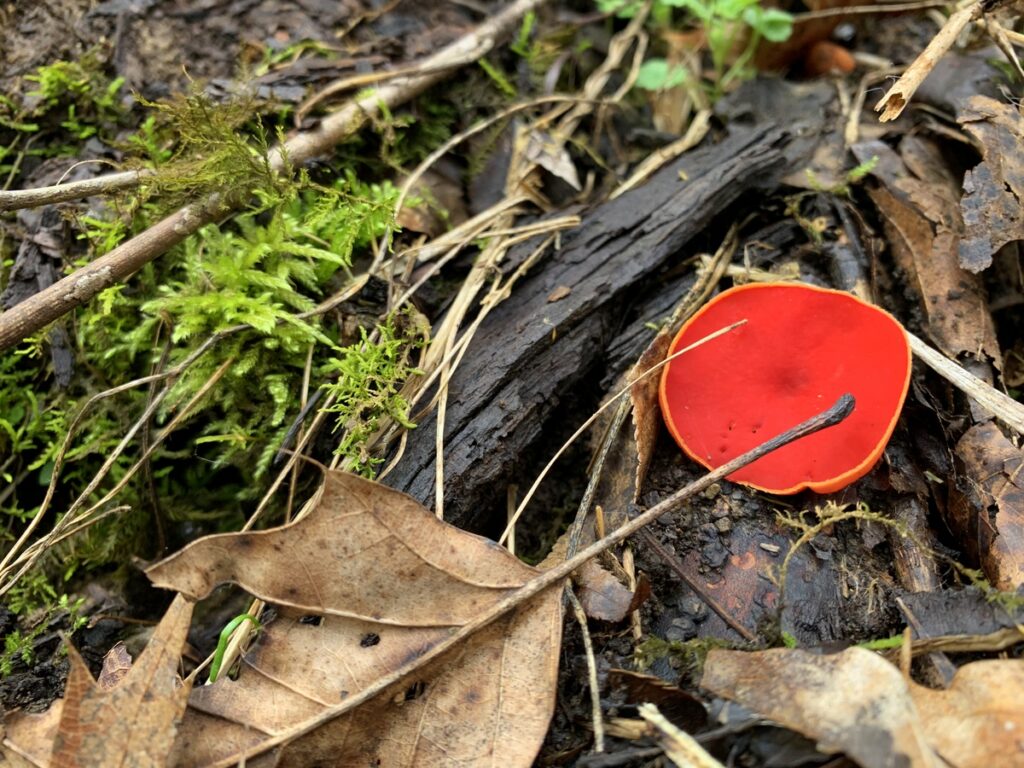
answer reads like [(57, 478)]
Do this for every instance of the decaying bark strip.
[(532, 353)]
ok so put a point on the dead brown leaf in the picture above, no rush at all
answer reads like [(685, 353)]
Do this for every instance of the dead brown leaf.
[(918, 201), (979, 721), (993, 201), (858, 703), (602, 596), (646, 411), (686, 711), (367, 582), (542, 149), (441, 204), (853, 702), (116, 666), (127, 719), (994, 481)]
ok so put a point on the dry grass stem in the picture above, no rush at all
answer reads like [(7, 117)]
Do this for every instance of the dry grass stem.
[(30, 555), (866, 10), (895, 100), (680, 747), (999, 404), (596, 719), (695, 133)]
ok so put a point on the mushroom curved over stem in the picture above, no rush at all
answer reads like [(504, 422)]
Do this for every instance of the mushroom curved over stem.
[(800, 349)]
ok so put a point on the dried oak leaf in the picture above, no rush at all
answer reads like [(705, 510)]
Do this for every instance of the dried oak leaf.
[(124, 719), (366, 583), (987, 507), (993, 201), (858, 703)]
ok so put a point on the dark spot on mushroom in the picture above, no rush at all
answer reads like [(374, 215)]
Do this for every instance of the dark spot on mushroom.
[(369, 640), (472, 696)]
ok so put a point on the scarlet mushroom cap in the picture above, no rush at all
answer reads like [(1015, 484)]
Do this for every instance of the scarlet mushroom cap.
[(799, 350)]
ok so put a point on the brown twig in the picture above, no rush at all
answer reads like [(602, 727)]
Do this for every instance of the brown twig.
[(867, 10), (834, 415), (15, 199), (891, 105), (76, 289), (677, 568)]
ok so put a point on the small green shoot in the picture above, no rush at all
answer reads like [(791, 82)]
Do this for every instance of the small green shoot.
[(498, 78), (225, 638), (726, 23), (882, 644), (850, 179), (521, 45)]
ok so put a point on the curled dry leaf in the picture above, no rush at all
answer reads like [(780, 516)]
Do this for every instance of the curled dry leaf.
[(366, 583), (853, 702), (858, 703), (646, 411), (978, 721), (678, 706), (993, 189), (127, 718), (994, 469), (544, 150), (602, 596)]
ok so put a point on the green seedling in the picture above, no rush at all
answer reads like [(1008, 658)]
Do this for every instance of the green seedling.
[(726, 24), (225, 638)]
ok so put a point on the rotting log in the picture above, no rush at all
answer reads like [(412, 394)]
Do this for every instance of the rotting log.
[(531, 355)]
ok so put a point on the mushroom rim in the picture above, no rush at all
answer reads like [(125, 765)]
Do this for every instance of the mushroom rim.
[(827, 485)]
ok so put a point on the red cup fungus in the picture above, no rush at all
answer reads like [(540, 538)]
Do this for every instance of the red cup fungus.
[(799, 350)]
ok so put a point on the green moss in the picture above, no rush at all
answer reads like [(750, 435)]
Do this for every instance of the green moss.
[(688, 656), (250, 282), (366, 390)]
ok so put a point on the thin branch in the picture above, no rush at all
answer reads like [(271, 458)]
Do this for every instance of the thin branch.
[(892, 104), (15, 199)]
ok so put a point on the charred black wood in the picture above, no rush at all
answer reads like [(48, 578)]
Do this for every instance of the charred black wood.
[(531, 356)]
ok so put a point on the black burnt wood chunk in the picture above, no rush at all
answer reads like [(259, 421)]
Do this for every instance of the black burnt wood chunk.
[(529, 358)]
